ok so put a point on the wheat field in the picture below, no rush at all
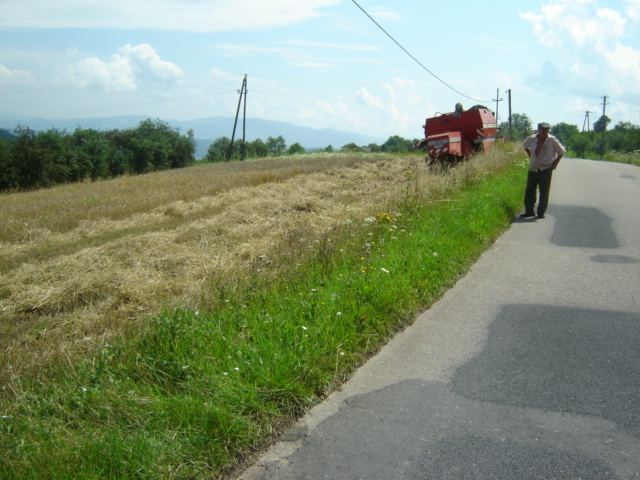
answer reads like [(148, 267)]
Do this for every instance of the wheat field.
[(82, 264)]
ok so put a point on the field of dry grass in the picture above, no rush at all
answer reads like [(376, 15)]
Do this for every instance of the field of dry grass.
[(83, 263)]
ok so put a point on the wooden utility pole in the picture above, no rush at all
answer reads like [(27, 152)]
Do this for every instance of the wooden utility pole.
[(510, 118), (243, 93), (604, 124), (497, 99), (244, 121), (586, 121)]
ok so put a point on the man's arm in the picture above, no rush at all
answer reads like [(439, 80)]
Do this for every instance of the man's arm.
[(527, 146), (560, 150), (556, 161)]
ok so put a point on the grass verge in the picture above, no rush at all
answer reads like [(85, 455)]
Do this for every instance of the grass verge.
[(632, 158), (198, 391)]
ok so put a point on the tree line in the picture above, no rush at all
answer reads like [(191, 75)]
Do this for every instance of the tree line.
[(221, 150), (623, 138), (40, 159), (31, 160)]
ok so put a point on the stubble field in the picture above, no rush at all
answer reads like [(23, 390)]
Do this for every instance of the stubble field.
[(84, 262)]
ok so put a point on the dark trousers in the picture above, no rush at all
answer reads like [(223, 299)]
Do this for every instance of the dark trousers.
[(540, 180)]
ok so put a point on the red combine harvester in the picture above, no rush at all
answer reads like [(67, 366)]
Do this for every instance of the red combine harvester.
[(452, 137)]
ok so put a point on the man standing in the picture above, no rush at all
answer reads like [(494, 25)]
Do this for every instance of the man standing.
[(545, 152)]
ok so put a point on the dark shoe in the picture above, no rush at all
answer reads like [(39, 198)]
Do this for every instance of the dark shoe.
[(527, 215), (541, 215)]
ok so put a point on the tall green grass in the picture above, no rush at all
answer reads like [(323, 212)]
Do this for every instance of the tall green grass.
[(632, 158), (198, 391)]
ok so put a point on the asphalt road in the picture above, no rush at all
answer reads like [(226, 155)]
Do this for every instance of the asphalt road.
[(529, 368)]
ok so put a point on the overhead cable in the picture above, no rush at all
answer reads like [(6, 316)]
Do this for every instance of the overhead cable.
[(414, 58)]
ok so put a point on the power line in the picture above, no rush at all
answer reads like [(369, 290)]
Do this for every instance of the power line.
[(414, 58)]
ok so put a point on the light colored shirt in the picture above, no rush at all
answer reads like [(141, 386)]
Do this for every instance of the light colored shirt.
[(550, 151)]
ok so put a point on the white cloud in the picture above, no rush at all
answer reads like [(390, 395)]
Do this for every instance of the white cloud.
[(222, 75), (313, 65), (395, 107), (234, 50), (148, 67), (14, 76), (194, 16), (587, 50), (386, 15), (335, 46), (339, 113), (132, 68), (368, 99), (633, 10), (404, 104)]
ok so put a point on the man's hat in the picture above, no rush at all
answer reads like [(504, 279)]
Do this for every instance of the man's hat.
[(544, 125)]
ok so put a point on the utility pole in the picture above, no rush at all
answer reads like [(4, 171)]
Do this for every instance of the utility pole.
[(243, 93), (244, 120), (497, 99), (604, 125), (510, 118), (586, 121)]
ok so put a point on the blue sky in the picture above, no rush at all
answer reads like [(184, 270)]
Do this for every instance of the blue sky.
[(320, 63)]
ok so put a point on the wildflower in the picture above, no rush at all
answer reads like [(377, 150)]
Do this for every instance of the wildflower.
[(435, 254), (384, 217), (384, 270), (339, 313), (237, 369), (304, 328)]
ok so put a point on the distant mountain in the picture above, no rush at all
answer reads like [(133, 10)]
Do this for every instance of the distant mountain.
[(206, 130)]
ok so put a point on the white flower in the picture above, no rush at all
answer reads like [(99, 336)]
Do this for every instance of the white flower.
[(339, 313), (435, 254), (384, 270)]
